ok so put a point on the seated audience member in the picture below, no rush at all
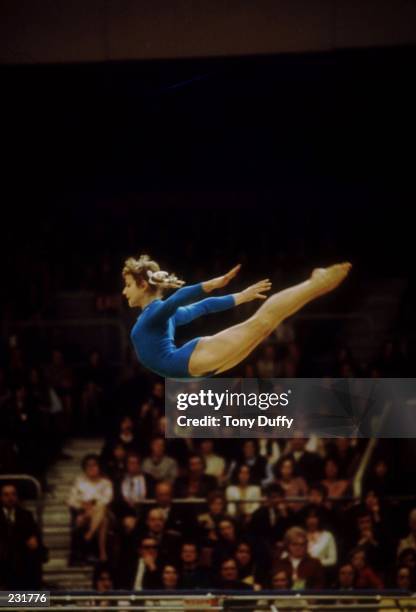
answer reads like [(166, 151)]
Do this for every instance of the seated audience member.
[(177, 519), (346, 577), (270, 522), (243, 497), (21, 550), (148, 568), (318, 498), (249, 572), (103, 582), (193, 575), (115, 466), (228, 577), (372, 539), (380, 478), (366, 577), (307, 464), (169, 582), (250, 456), (214, 464), (346, 456), (306, 572), (133, 489), (404, 579), (196, 483), (227, 541), (282, 581), (208, 521), (88, 500), (158, 465), (321, 542), (410, 540), (336, 487), (293, 486), (168, 541), (126, 436)]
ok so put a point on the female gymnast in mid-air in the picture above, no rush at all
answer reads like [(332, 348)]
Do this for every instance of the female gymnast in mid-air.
[(153, 334)]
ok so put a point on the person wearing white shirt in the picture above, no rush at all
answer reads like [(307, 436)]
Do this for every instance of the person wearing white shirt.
[(321, 543), (89, 497), (243, 498)]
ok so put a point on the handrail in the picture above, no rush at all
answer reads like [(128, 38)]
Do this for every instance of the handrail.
[(218, 599)]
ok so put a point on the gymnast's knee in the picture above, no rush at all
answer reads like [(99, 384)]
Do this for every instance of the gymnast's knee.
[(263, 323)]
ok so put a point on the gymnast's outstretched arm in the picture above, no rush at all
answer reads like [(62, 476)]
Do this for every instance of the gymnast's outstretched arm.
[(189, 294), (186, 314)]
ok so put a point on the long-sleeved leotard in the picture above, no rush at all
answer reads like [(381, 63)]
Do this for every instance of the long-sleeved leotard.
[(153, 334)]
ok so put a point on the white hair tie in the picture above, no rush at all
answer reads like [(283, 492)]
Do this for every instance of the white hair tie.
[(157, 278)]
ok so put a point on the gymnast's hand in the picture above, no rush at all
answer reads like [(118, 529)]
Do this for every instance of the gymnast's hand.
[(254, 292), (221, 281)]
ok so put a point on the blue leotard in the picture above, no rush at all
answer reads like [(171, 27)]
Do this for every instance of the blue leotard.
[(153, 334)]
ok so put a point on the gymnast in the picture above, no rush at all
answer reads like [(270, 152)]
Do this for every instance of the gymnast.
[(153, 334)]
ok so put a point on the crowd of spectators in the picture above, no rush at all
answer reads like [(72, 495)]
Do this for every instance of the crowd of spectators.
[(251, 513), (248, 514)]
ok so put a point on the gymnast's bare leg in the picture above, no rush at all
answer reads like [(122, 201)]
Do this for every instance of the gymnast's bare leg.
[(229, 347)]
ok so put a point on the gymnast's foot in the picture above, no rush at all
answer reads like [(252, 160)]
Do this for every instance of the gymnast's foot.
[(325, 280)]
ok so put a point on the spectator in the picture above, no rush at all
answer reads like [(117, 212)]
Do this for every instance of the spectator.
[(318, 498), (134, 487), (346, 578), (345, 455), (335, 486), (196, 483), (270, 522), (177, 519), (227, 542), (321, 543), (88, 500), (228, 577), (404, 579), (366, 577), (208, 521), (308, 464), (214, 464), (193, 575), (243, 497), (102, 582), (250, 455), (380, 479), (293, 486), (147, 572), (248, 572), (115, 467), (306, 572), (168, 541), (158, 465), (125, 436), (21, 550)]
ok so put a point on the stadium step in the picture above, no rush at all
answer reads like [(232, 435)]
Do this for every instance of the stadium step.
[(56, 517)]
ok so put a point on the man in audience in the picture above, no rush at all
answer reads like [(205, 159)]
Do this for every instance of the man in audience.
[(21, 550), (306, 572), (158, 465)]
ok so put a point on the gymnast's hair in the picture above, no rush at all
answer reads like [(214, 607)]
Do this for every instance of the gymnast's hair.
[(146, 269)]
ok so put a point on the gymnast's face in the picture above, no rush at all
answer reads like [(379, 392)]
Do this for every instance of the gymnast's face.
[(133, 292)]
